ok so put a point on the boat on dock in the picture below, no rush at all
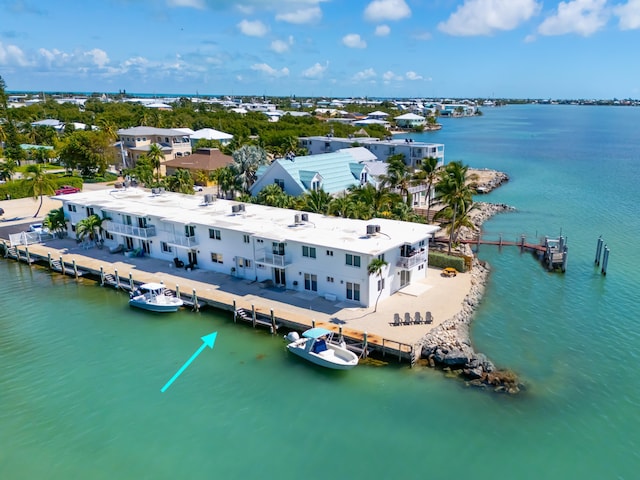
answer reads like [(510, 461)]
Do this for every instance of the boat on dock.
[(154, 297), (318, 346)]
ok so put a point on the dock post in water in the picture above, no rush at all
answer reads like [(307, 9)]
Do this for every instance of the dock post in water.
[(115, 273), (522, 242), (364, 345), (605, 261), (62, 265), (196, 306), (101, 276), (599, 250), (49, 261), (177, 291), (75, 269), (26, 250), (253, 315), (235, 311), (273, 323), (131, 285)]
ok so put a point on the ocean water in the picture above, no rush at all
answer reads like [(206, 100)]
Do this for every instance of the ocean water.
[(81, 373)]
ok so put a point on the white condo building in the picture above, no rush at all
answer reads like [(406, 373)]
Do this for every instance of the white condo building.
[(305, 252)]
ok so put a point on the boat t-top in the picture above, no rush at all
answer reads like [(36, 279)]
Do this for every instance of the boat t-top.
[(153, 297), (317, 346)]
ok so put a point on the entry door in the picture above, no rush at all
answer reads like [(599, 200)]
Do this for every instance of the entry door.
[(193, 258), (129, 242), (146, 248), (405, 277), (279, 277)]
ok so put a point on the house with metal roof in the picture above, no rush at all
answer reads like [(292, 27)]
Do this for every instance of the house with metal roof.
[(332, 172), (210, 134)]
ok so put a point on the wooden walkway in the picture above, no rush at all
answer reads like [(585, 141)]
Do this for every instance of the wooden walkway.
[(198, 295)]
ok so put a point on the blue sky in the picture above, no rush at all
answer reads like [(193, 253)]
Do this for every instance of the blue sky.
[(334, 48)]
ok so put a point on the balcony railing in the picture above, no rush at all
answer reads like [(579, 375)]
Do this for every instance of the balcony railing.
[(272, 259), (412, 261), (182, 241), (130, 230)]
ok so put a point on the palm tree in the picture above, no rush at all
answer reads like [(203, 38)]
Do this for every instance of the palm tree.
[(398, 177), (7, 169), (454, 192), (38, 184), (55, 221), (247, 160), (376, 267), (342, 206), (181, 182), (156, 155), (427, 174), (226, 180), (317, 201), (91, 226), (368, 197), (272, 195)]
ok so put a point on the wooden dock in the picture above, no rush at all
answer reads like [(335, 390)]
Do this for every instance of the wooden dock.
[(198, 295)]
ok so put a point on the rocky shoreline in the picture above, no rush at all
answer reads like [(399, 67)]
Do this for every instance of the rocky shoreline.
[(449, 346)]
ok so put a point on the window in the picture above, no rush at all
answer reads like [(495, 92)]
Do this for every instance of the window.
[(108, 236), (246, 263), (353, 291), (71, 208), (381, 284), (315, 186), (381, 257), (309, 251), (330, 279), (214, 233), (353, 260), (189, 231), (330, 253), (90, 211), (277, 248), (216, 258), (279, 182), (245, 238), (310, 282), (165, 247)]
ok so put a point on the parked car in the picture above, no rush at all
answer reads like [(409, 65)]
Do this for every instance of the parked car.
[(37, 228), (66, 189), (197, 188)]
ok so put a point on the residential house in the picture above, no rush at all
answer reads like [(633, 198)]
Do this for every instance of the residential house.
[(210, 134), (202, 160), (332, 172), (303, 252), (410, 120), (137, 141)]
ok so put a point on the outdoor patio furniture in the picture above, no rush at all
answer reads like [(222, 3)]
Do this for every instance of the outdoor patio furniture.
[(407, 319), (396, 319), (428, 318), (417, 319)]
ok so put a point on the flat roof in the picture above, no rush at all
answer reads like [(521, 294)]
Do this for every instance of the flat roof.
[(270, 223)]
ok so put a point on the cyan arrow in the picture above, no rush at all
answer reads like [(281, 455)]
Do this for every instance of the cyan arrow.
[(207, 341)]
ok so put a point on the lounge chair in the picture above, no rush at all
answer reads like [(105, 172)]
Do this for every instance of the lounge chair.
[(407, 319), (178, 263), (428, 318), (417, 319), (396, 319)]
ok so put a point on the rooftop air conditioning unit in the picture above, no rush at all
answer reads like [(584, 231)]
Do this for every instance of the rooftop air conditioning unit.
[(241, 208), (305, 217), (208, 198), (371, 230), (235, 208), (296, 219), (155, 191), (377, 228)]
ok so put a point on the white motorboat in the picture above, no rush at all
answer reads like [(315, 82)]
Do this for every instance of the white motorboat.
[(152, 297), (317, 346)]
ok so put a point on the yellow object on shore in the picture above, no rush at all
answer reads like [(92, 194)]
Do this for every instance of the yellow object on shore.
[(449, 272)]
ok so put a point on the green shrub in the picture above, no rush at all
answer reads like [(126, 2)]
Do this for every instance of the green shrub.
[(442, 260), (18, 188)]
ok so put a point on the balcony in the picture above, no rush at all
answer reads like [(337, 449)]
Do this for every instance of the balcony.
[(129, 230), (183, 242), (415, 259), (272, 259)]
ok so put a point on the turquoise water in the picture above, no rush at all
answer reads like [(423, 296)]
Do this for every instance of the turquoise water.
[(81, 373)]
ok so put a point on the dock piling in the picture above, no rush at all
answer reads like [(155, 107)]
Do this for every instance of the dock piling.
[(605, 260), (274, 327), (235, 312), (131, 284), (26, 251), (196, 306), (75, 269), (599, 250), (115, 273), (177, 291), (49, 261), (253, 315), (62, 265)]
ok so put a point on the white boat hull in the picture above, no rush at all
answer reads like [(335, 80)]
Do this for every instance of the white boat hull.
[(334, 357)]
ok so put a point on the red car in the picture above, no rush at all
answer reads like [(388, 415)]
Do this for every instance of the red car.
[(65, 189)]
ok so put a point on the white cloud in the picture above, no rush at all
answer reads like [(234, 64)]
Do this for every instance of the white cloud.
[(353, 40), (382, 30), (280, 46), (383, 10), (315, 71), (12, 55), (199, 4), (410, 75), (253, 29), (583, 17), (270, 71), (367, 74), (389, 76), (301, 16), (629, 14), (484, 17), (98, 56)]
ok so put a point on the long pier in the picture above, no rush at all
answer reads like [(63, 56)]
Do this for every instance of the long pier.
[(197, 295)]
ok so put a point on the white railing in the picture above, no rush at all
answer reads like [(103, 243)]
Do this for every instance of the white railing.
[(182, 241), (272, 259), (129, 230), (412, 261)]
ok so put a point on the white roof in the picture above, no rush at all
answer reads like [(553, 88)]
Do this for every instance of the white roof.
[(270, 223), (410, 116), (210, 134), (186, 131)]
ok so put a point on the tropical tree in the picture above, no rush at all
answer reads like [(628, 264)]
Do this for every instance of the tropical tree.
[(427, 174), (38, 184), (370, 201), (7, 169), (455, 194), (398, 177), (342, 206), (143, 170), (181, 182), (55, 221), (226, 181), (156, 155), (376, 268), (90, 226), (247, 160), (273, 196), (316, 201), (86, 151)]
